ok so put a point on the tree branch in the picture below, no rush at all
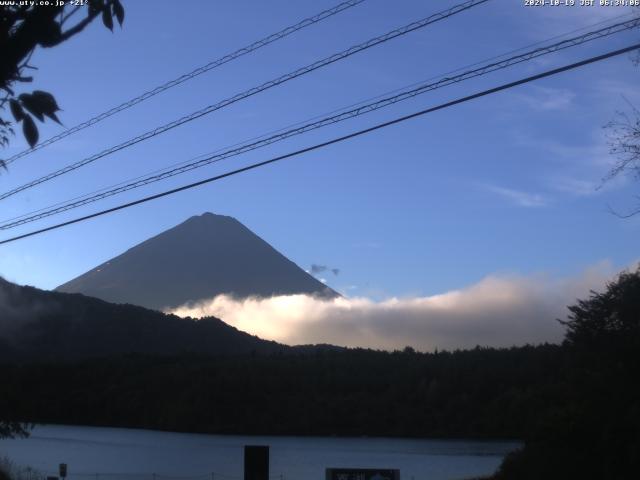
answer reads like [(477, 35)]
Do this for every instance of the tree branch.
[(69, 15), (76, 29)]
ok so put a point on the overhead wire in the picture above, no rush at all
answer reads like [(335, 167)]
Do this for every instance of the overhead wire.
[(368, 99), (188, 76), (204, 160), (317, 146), (449, 12)]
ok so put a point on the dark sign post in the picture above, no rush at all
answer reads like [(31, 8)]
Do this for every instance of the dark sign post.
[(362, 474), (62, 470), (256, 462)]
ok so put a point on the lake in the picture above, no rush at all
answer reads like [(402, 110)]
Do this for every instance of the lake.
[(94, 453)]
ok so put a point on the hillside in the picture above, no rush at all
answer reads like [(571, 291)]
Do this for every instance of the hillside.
[(42, 325)]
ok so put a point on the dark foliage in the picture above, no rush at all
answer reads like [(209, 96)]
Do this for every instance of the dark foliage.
[(50, 326), (249, 385), (24, 27), (592, 430), (609, 319), (576, 405), (476, 393), (10, 429)]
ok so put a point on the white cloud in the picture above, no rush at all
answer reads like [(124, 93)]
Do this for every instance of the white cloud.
[(520, 198), (499, 310), (577, 187), (617, 92), (546, 99), (580, 169)]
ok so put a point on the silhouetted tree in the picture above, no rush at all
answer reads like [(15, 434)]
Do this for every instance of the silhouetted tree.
[(10, 429), (23, 28), (610, 317), (592, 429), (624, 143)]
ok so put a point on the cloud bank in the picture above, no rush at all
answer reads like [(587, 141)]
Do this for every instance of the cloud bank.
[(499, 311)]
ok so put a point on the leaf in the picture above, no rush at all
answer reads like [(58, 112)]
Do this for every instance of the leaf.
[(49, 33), (16, 109), (41, 103), (94, 7), (53, 117), (106, 19), (48, 104), (118, 11), (32, 105), (30, 130), (3, 165), (46, 100)]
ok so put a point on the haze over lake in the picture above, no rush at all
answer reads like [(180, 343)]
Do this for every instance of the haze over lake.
[(127, 453)]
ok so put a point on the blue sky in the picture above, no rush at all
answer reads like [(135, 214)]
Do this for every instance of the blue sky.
[(504, 184)]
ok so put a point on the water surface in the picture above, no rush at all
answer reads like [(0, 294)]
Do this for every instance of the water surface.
[(94, 453)]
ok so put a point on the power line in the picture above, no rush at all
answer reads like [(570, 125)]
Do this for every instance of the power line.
[(317, 146), (253, 91), (194, 73), (345, 115), (361, 102)]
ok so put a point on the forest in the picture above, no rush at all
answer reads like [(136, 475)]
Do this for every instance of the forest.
[(477, 393), (575, 405), (46, 326)]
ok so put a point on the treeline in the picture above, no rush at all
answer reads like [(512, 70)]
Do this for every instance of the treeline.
[(475, 393), (590, 427), (576, 405), (38, 325)]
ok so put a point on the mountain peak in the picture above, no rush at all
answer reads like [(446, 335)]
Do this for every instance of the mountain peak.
[(205, 256), (211, 216)]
